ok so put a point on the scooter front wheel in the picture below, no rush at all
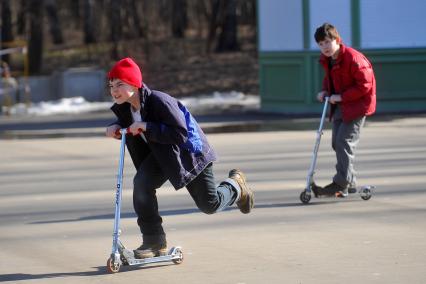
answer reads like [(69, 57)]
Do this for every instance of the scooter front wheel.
[(112, 266), (304, 197), (178, 260)]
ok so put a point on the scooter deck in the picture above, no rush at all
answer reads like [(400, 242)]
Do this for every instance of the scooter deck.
[(336, 195), (127, 258), (175, 255), (365, 192)]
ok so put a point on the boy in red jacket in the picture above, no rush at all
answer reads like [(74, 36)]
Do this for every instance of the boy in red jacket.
[(349, 82)]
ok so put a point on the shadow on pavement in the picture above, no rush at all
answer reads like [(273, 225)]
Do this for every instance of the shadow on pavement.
[(100, 270), (176, 212)]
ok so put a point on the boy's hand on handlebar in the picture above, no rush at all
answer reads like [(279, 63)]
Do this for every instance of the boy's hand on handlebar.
[(321, 95), (335, 98), (137, 128), (113, 131)]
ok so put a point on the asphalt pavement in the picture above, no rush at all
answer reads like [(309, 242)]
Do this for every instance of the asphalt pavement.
[(57, 205), (93, 124)]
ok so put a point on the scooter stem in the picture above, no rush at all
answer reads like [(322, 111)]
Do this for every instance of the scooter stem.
[(118, 195), (311, 172)]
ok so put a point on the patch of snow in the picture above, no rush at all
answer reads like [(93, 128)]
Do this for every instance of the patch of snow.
[(72, 105), (216, 101), (220, 102)]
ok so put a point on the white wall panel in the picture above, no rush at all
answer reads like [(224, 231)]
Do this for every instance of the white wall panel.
[(335, 12), (280, 25), (393, 24)]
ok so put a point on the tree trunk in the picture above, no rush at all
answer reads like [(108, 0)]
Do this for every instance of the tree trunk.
[(55, 25), (248, 13), (146, 28), (228, 36), (201, 16), (179, 18), (22, 17), (74, 8), (216, 8), (89, 21), (35, 46), (6, 28), (115, 26), (136, 19)]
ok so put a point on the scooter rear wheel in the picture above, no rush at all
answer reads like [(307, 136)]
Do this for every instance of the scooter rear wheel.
[(366, 194), (304, 197), (112, 267)]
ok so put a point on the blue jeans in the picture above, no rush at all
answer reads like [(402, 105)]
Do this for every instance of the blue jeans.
[(149, 177)]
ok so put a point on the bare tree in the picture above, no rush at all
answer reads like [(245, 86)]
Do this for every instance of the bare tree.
[(247, 12), (131, 25), (223, 17), (146, 25), (89, 21), (6, 27), (55, 24), (228, 36), (179, 18), (22, 17), (35, 46), (201, 15), (74, 8), (115, 26), (136, 21), (114, 21), (214, 19)]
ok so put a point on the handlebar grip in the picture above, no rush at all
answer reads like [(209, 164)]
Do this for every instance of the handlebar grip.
[(118, 131)]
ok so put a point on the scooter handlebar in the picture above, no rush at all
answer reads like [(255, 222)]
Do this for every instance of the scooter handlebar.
[(119, 131)]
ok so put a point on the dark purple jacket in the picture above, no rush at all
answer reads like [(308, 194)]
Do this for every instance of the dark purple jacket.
[(173, 137)]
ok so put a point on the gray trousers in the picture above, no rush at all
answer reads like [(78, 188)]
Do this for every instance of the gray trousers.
[(345, 137)]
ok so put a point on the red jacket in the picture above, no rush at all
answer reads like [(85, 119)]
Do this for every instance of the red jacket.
[(353, 78)]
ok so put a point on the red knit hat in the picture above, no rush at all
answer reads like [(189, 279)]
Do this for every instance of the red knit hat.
[(127, 71)]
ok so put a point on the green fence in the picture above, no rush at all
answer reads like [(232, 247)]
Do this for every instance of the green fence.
[(289, 81)]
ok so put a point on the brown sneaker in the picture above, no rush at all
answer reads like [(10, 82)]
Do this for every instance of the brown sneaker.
[(151, 248), (246, 201)]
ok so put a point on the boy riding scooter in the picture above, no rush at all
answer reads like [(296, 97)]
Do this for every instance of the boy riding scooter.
[(167, 144), (350, 86)]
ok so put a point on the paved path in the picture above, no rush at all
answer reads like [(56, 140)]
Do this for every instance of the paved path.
[(56, 206), (93, 124)]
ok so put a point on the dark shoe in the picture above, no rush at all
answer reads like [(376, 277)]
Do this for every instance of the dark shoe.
[(352, 188), (246, 199), (320, 192), (152, 246), (335, 189), (317, 190)]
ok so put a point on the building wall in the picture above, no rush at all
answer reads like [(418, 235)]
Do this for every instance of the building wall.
[(389, 33), (74, 82)]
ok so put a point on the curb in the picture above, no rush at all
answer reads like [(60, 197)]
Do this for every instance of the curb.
[(239, 124), (208, 128)]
